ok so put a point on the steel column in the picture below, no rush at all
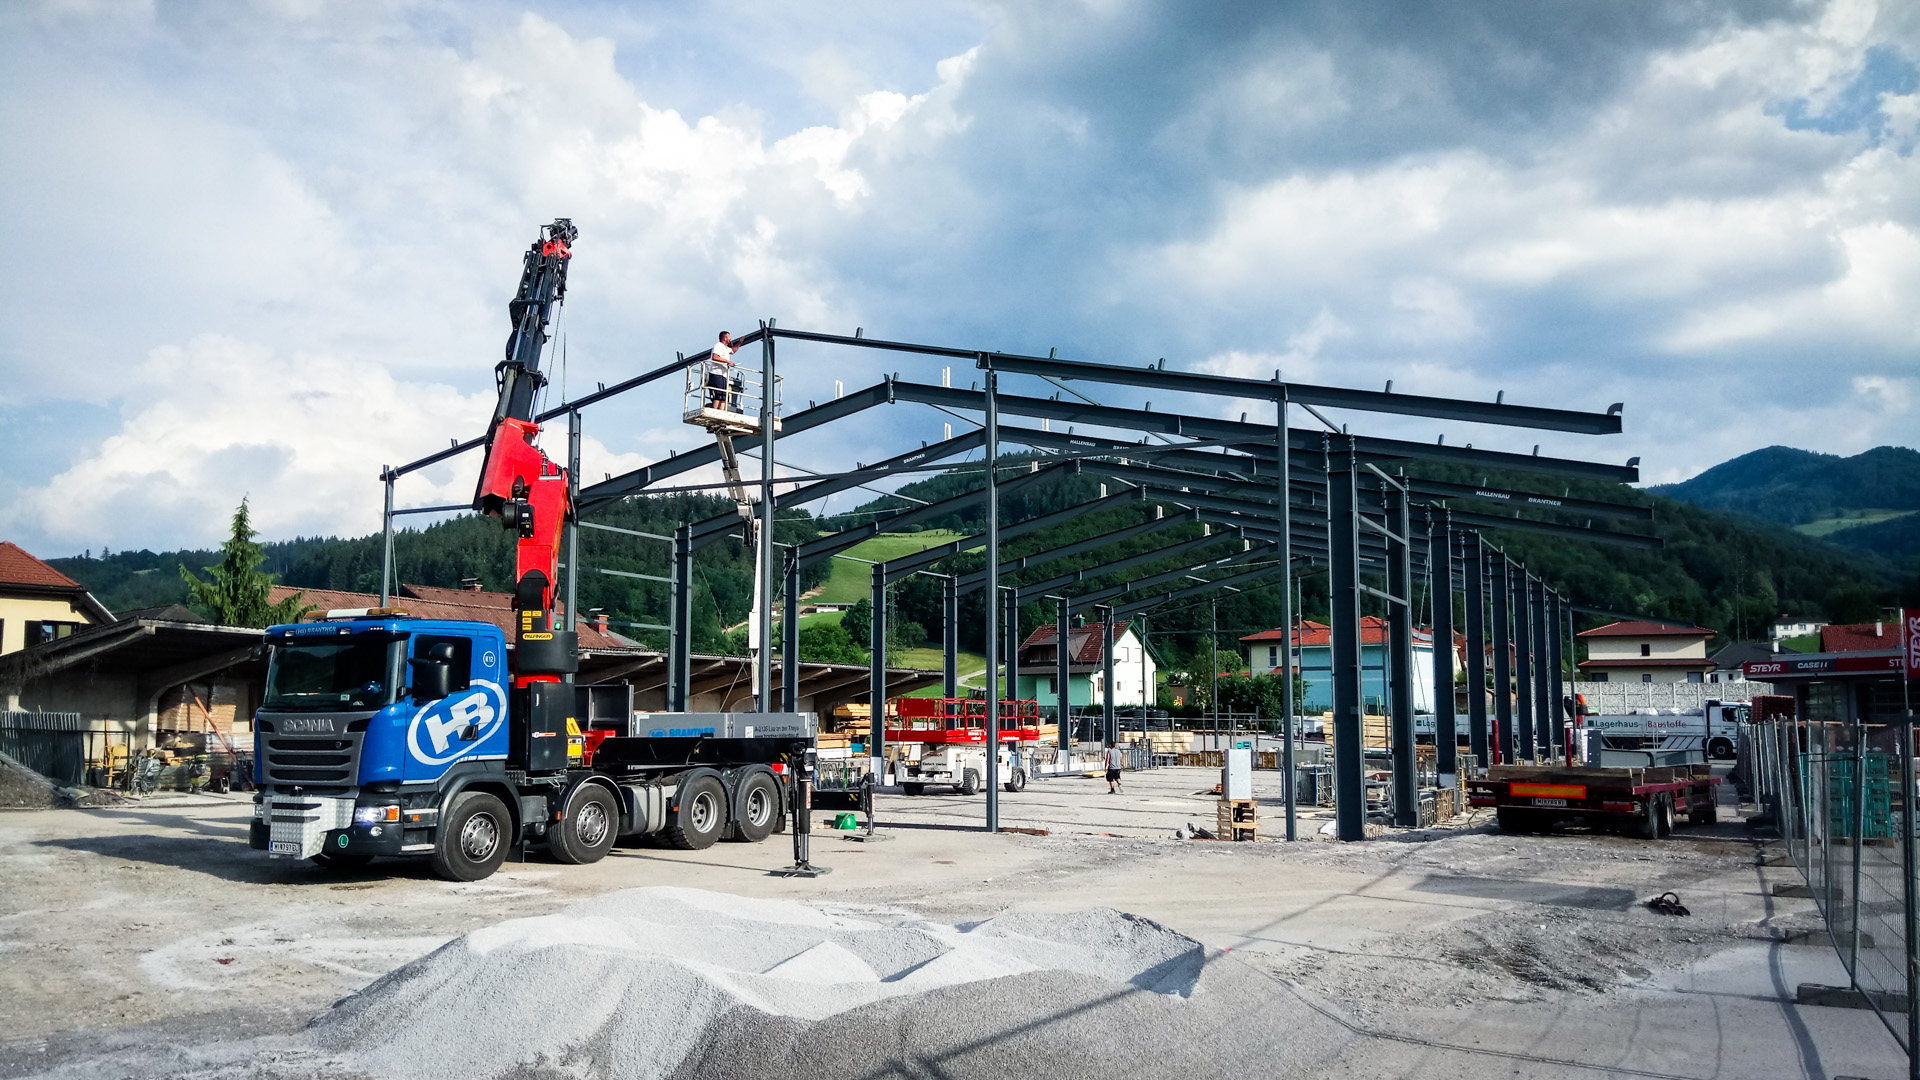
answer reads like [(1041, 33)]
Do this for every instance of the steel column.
[(680, 620), (877, 676), (1287, 704), (573, 527), (763, 560), (1523, 660), (1557, 657), (1542, 677), (1446, 737), (1473, 563), (386, 541), (1063, 672), (790, 636), (1406, 795), (1501, 597), (950, 637), (1343, 597), (993, 598), (1109, 724)]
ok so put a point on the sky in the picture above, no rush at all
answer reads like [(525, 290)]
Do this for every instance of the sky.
[(261, 248)]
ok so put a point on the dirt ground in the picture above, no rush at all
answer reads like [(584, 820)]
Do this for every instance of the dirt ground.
[(155, 924)]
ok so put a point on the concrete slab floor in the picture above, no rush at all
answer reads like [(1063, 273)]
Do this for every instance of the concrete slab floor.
[(1471, 952)]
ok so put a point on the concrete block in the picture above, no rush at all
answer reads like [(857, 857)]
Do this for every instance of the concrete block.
[(1800, 891), (1847, 997)]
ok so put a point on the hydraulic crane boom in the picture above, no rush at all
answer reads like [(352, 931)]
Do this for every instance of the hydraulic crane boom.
[(518, 484)]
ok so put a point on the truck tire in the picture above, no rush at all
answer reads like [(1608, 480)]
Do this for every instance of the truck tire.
[(473, 838), (970, 782), (1665, 817), (914, 789), (701, 815), (587, 827), (1646, 826), (1017, 780), (1720, 749), (759, 809)]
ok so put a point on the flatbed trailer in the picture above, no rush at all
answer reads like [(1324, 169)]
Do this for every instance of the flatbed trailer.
[(1642, 802)]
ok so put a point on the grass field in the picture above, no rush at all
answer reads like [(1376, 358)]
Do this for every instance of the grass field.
[(852, 581), (1853, 519), (971, 666)]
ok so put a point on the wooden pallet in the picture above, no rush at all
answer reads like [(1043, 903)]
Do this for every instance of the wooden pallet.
[(1237, 819)]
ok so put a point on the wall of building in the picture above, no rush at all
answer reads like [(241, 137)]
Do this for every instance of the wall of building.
[(16, 612), (1650, 675), (1618, 697), (1088, 689), (1658, 648)]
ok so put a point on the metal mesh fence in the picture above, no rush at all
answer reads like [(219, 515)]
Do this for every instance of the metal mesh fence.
[(1841, 794)]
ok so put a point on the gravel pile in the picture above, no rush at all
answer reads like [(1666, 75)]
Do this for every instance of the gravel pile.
[(683, 983), (21, 788)]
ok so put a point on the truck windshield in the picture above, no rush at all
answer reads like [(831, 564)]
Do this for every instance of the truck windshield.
[(361, 671)]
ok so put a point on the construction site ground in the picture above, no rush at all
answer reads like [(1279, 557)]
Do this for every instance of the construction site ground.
[(1460, 950)]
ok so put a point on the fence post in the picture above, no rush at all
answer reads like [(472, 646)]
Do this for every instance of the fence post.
[(1859, 845), (1903, 743)]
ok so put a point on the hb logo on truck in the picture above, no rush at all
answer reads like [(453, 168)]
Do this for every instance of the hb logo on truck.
[(434, 736)]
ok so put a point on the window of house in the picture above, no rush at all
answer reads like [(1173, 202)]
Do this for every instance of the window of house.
[(44, 630), (1693, 676), (1646, 676), (1273, 656), (1646, 649), (1598, 676)]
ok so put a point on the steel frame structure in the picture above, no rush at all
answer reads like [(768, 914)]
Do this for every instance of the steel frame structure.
[(1300, 496)]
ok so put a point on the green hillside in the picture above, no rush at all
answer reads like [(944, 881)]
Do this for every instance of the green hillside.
[(1800, 487)]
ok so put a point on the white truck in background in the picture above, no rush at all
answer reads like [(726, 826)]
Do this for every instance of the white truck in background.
[(1713, 729)]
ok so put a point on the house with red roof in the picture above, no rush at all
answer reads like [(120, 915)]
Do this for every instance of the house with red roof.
[(1646, 652), (39, 603), (1313, 659), (1039, 665), (1860, 637)]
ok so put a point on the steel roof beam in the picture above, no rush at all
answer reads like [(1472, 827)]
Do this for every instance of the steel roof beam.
[(1333, 397), (972, 581)]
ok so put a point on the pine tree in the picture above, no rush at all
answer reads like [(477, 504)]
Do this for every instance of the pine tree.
[(237, 595)]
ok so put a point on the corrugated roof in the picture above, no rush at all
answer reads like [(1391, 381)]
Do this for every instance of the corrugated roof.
[(432, 602), (19, 568), (1636, 628)]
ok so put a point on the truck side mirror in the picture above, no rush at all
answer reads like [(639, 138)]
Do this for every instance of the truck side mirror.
[(433, 673)]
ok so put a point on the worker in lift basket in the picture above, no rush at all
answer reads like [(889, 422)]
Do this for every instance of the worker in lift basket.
[(1116, 757), (723, 393)]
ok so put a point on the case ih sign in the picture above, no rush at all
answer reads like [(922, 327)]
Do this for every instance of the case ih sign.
[(1844, 663)]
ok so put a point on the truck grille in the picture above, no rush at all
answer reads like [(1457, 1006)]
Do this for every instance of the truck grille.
[(319, 764)]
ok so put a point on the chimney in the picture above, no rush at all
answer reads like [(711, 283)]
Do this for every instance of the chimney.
[(600, 623), (471, 584)]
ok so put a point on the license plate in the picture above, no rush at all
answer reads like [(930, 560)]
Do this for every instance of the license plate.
[(1549, 802), (284, 847)]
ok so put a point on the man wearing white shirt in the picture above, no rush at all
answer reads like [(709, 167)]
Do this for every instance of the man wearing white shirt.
[(717, 377)]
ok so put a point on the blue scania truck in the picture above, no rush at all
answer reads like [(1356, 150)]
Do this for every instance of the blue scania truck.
[(382, 734)]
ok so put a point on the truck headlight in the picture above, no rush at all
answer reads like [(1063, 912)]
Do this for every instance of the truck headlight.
[(367, 815)]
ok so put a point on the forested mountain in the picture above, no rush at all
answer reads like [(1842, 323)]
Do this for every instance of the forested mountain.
[(1796, 487), (1731, 573)]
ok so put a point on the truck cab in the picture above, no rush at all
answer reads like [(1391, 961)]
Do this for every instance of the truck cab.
[(365, 724)]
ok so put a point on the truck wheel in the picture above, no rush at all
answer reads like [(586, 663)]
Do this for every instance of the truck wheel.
[(1666, 814), (1720, 749), (970, 782), (701, 815), (759, 809), (586, 829), (473, 837), (1017, 780), (914, 789), (1647, 825)]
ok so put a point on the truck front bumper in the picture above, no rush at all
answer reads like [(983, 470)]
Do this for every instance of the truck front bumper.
[(302, 826)]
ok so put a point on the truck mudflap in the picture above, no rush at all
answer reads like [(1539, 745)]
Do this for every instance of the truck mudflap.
[(296, 826)]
